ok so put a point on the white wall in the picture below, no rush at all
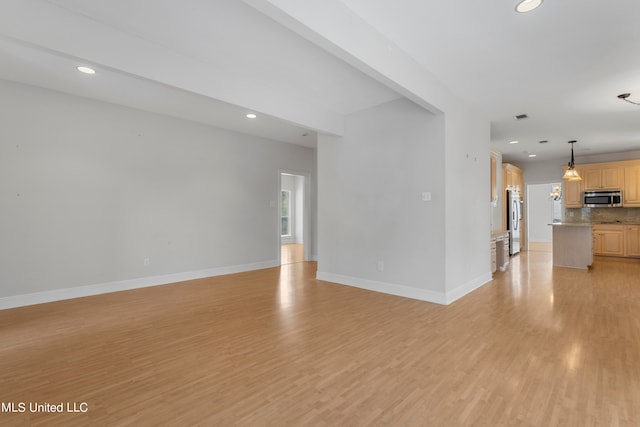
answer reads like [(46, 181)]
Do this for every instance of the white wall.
[(610, 157), (369, 198), (544, 172), (467, 211), (370, 207), (89, 189), (540, 214)]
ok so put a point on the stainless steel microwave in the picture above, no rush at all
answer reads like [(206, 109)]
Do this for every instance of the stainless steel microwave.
[(602, 199)]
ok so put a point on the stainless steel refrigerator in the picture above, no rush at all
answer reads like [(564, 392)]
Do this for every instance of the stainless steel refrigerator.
[(514, 215)]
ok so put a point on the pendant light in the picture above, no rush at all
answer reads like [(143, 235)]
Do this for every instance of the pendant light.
[(624, 97), (571, 174)]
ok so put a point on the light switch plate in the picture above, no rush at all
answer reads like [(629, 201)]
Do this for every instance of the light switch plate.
[(426, 196)]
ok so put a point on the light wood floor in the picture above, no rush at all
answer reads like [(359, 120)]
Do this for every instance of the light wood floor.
[(538, 346), (291, 253), (541, 246)]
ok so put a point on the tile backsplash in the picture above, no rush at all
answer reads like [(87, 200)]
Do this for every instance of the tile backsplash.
[(602, 215)]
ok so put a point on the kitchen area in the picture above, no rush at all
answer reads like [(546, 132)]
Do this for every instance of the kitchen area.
[(600, 213), (508, 235)]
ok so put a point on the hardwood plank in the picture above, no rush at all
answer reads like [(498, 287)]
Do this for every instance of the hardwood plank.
[(291, 253), (540, 246), (536, 346)]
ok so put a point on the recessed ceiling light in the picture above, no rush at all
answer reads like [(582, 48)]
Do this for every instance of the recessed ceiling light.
[(532, 155), (86, 70), (527, 5), (251, 116), (513, 142)]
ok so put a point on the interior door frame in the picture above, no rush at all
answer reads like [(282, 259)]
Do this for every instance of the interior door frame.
[(306, 215)]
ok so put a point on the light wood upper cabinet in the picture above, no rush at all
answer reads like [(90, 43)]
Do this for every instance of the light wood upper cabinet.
[(612, 178), (512, 179), (572, 191), (591, 178), (602, 177), (508, 177), (494, 176), (623, 175), (631, 188)]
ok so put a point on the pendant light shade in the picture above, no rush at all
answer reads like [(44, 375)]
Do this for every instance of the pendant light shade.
[(571, 174)]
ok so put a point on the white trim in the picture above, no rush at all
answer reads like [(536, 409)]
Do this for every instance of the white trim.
[(468, 287), (386, 288), (124, 285), (306, 214), (406, 291)]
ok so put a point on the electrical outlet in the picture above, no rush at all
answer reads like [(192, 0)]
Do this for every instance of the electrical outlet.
[(380, 265), (146, 262)]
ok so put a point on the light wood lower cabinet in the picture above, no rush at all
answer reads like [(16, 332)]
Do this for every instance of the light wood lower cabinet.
[(632, 241), (494, 261), (499, 251), (616, 240)]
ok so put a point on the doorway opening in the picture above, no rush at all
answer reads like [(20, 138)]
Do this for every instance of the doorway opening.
[(293, 218), (544, 203)]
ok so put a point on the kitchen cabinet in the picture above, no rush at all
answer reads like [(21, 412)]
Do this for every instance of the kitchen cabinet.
[(616, 240), (494, 177), (608, 243), (608, 240), (597, 243), (623, 175), (499, 251), (631, 187), (632, 241), (513, 179), (602, 177), (494, 261), (572, 191)]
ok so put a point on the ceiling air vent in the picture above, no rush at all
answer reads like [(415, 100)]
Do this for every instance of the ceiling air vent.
[(520, 117)]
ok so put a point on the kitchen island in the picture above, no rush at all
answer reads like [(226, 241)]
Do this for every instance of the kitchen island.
[(572, 245)]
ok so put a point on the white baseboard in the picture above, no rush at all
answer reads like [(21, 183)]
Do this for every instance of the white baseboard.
[(406, 291), (386, 288), (124, 285), (468, 287)]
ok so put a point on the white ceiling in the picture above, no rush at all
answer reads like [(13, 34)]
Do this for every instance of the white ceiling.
[(211, 61), (562, 64), (206, 61)]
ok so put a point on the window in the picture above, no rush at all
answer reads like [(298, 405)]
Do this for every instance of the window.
[(286, 212)]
